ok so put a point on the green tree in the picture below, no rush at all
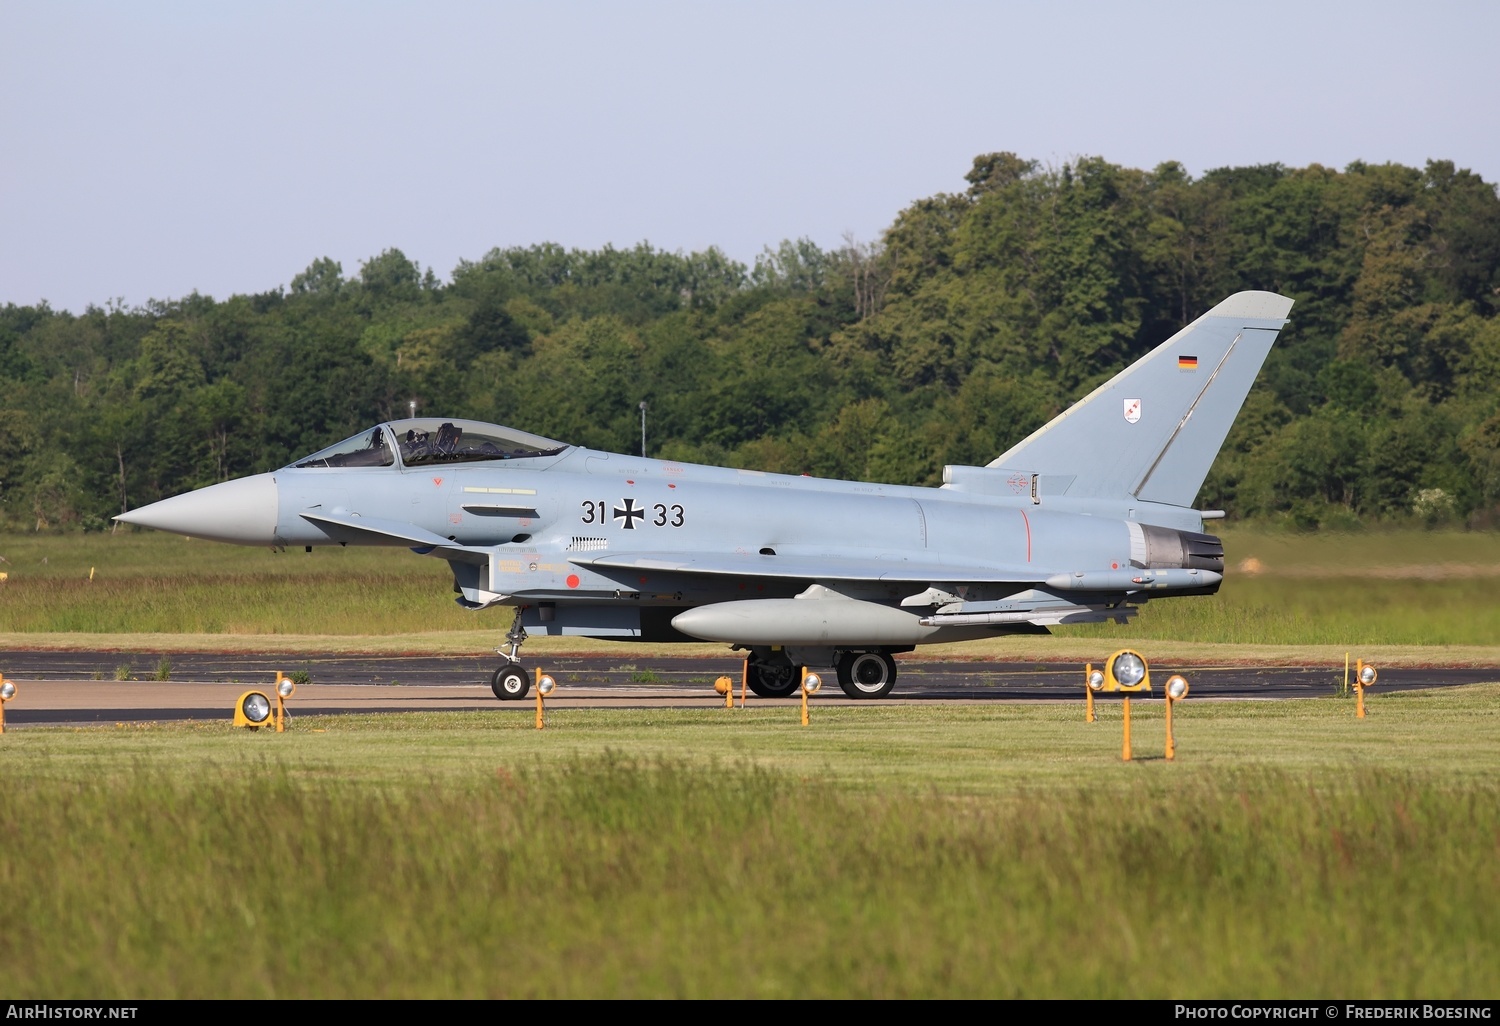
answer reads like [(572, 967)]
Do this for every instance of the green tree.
[(323, 277)]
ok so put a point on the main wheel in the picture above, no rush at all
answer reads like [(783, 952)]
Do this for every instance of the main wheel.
[(775, 677), (510, 682), (867, 674)]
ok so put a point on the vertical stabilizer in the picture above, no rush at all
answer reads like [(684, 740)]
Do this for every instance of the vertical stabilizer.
[(1153, 430)]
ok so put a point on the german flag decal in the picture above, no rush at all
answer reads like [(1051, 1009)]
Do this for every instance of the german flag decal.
[(1187, 363)]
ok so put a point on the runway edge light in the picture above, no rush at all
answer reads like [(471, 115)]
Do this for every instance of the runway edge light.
[(1127, 670), (1128, 673), (1177, 690), (1364, 677), (7, 692), (811, 682), (545, 684), (285, 688), (1093, 680), (252, 710)]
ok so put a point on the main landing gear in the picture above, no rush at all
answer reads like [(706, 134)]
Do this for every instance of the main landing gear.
[(866, 674), (773, 675), (511, 682)]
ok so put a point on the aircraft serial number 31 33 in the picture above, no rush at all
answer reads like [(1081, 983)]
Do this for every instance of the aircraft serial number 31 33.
[(1081, 522), (627, 513)]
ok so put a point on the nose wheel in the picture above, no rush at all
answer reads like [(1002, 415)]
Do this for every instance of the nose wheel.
[(510, 682)]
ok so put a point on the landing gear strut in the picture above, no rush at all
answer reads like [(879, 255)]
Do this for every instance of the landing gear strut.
[(511, 681)]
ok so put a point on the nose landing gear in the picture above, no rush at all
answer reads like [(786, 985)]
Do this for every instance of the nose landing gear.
[(510, 682)]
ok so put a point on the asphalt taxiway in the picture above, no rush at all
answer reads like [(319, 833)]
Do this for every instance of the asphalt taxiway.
[(80, 687)]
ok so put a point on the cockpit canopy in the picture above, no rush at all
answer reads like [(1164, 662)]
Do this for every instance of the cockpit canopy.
[(426, 441)]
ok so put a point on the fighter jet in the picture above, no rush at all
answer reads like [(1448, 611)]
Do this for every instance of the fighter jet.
[(1082, 522)]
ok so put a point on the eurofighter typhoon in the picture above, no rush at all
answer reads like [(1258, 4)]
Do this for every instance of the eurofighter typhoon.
[(1082, 522)]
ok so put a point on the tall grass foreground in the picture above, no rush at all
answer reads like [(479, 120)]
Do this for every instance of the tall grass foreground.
[(607, 876)]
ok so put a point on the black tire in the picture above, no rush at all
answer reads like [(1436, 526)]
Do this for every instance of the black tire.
[(511, 682), (867, 674), (774, 678)]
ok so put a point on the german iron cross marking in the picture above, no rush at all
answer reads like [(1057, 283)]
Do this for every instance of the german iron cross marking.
[(628, 513)]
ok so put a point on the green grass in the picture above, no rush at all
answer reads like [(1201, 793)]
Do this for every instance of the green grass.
[(138, 582), (994, 851), (132, 553), (1406, 587), (1323, 611), (1358, 552)]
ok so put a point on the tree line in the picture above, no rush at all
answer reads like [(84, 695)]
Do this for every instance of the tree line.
[(975, 318)]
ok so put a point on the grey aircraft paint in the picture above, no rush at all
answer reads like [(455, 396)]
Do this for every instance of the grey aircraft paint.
[(1081, 522)]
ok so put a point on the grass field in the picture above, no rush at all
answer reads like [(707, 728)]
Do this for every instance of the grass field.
[(1290, 850), (999, 851), (1431, 592)]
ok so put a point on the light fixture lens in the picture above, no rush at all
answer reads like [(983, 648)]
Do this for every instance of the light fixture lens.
[(256, 708), (7, 691), (1130, 669), (1367, 676), (1177, 687), (813, 683), (285, 688), (1096, 679), (546, 684)]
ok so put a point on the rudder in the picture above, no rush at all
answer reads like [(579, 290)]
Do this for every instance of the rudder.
[(1153, 430)]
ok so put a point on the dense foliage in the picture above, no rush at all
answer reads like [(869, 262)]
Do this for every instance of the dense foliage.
[(976, 318)]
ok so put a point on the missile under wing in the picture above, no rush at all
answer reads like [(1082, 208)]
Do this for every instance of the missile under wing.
[(1081, 522)]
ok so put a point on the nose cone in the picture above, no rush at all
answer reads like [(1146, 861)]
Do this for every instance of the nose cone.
[(242, 511)]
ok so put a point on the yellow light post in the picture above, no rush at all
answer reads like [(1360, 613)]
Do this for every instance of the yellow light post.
[(811, 682), (544, 685), (1177, 690), (285, 688), (1364, 676), (1127, 672), (744, 681), (725, 687), (7, 692), (1093, 680)]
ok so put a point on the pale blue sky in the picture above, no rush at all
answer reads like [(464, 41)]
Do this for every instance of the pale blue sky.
[(149, 149)]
